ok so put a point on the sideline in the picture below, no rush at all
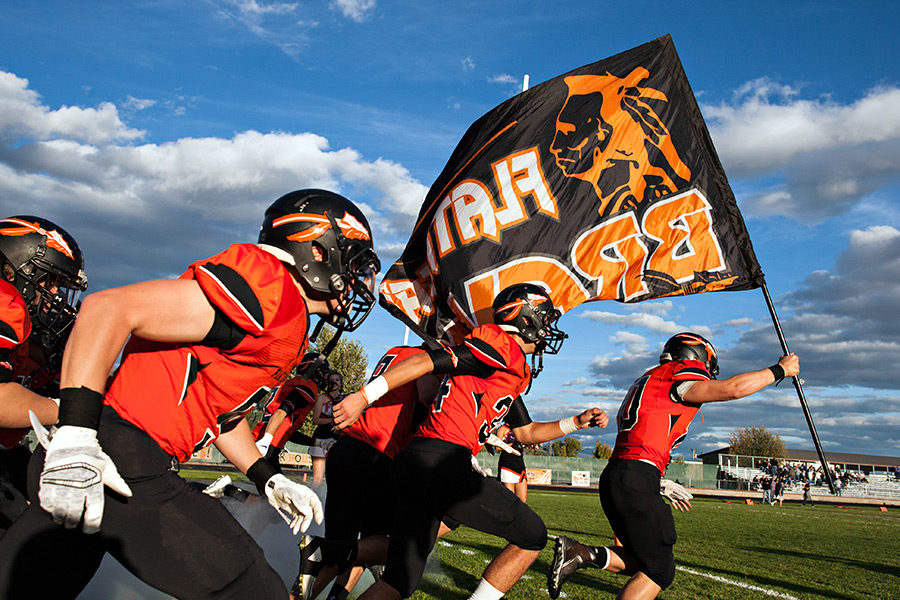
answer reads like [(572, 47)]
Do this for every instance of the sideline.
[(739, 584)]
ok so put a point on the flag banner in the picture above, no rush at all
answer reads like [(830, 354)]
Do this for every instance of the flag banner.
[(600, 184)]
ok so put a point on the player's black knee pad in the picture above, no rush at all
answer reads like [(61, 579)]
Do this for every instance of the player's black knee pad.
[(341, 553), (399, 581), (662, 573), (531, 533)]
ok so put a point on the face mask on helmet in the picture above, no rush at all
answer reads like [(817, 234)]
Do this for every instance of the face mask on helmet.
[(690, 346), (46, 266), (327, 238)]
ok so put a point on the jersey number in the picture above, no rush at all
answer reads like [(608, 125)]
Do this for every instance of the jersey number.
[(628, 412), (501, 407)]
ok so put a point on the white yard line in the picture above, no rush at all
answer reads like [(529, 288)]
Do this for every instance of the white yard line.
[(740, 584)]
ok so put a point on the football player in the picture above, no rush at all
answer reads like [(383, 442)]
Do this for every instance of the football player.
[(286, 412), (484, 378), (652, 420), (42, 277), (199, 352), (324, 435), (362, 460)]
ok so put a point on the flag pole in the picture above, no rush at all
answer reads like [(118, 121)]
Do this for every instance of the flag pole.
[(797, 385)]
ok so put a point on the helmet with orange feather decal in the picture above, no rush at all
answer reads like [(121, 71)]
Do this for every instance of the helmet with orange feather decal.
[(526, 309), (690, 346), (327, 238), (46, 266)]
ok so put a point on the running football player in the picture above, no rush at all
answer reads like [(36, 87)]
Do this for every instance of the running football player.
[(652, 420), (42, 277), (286, 412), (484, 378), (199, 352)]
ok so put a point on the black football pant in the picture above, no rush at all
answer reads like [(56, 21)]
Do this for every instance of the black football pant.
[(168, 534)]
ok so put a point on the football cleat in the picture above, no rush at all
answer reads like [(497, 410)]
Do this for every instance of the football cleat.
[(376, 570), (310, 564), (566, 560)]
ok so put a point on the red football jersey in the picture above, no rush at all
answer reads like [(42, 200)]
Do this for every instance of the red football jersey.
[(653, 419), (386, 425), (296, 409), (468, 408), (182, 395), (15, 327)]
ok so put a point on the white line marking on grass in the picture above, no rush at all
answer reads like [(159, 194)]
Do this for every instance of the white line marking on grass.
[(746, 586)]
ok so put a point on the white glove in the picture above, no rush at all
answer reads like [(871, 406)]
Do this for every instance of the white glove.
[(677, 495), (217, 488), (263, 444), (297, 504), (479, 469), (493, 440), (75, 470)]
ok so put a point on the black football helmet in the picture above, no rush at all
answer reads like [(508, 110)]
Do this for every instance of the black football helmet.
[(320, 370), (526, 309), (690, 346), (46, 266), (327, 238)]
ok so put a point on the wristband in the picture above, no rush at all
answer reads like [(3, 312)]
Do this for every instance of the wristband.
[(260, 472), (80, 407), (375, 389), (568, 426), (778, 372)]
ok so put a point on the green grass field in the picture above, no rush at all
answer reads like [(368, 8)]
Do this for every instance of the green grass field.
[(724, 551), (774, 552)]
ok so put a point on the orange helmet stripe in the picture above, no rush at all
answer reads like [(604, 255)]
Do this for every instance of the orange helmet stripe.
[(54, 238)]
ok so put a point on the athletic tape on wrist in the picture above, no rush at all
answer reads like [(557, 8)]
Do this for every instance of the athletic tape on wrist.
[(80, 407), (260, 472), (375, 389), (778, 372), (568, 426)]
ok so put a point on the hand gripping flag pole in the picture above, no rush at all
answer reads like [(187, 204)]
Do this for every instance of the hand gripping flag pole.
[(799, 387)]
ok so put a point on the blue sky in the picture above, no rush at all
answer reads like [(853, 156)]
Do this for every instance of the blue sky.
[(156, 132)]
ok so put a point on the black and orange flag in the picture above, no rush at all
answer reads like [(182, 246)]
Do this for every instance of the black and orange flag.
[(600, 184)]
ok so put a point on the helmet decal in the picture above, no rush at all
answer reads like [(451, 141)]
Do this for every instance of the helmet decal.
[(54, 238), (350, 226)]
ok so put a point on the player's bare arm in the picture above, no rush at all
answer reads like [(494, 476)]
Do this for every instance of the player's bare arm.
[(165, 310), (16, 401), (349, 409), (238, 447), (741, 385), (540, 432), (275, 420)]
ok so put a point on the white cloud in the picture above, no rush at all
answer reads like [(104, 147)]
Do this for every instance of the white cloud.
[(468, 63), (356, 10), (271, 22), (124, 199), (133, 103), (647, 321), (826, 156), (24, 117), (502, 78)]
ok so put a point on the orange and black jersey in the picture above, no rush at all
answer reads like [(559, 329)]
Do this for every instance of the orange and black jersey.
[(482, 389), (296, 397), (389, 424), (15, 363), (653, 418), (185, 395)]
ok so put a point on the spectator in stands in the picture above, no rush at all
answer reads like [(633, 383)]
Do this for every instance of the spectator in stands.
[(807, 494)]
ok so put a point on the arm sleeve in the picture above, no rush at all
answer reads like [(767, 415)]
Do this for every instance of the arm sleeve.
[(518, 414), (474, 357)]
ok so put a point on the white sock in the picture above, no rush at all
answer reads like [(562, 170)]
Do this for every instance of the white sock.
[(486, 591)]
